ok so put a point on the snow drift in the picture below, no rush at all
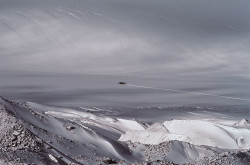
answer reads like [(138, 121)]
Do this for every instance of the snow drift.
[(91, 135), (194, 132)]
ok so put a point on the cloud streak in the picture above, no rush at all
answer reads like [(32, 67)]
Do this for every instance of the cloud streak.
[(126, 37)]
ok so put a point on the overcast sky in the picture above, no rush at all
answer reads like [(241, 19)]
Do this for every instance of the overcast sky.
[(130, 37)]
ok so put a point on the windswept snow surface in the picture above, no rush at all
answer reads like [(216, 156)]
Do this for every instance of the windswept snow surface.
[(96, 135), (121, 125), (195, 132)]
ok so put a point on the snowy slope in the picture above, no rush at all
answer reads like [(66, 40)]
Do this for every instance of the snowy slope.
[(91, 135)]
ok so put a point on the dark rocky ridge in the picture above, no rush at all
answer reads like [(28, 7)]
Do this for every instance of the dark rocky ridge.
[(17, 144)]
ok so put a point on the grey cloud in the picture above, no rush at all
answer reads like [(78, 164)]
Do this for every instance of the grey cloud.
[(125, 37)]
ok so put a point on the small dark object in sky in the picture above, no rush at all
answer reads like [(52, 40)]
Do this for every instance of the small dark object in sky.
[(122, 83)]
